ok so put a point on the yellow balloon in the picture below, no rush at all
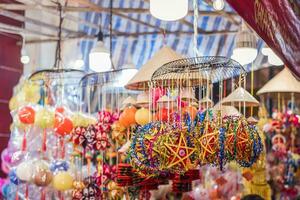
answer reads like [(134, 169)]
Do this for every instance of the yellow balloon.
[(31, 93), (77, 119), (13, 104), (62, 181), (44, 118), (143, 116)]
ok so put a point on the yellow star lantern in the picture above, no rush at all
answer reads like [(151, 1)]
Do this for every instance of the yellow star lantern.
[(181, 154)]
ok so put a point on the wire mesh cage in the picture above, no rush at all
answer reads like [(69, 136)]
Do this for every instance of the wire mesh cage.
[(58, 86), (196, 70), (104, 90)]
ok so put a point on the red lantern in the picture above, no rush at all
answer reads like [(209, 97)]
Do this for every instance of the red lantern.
[(163, 114), (26, 115), (60, 110), (63, 125), (127, 118)]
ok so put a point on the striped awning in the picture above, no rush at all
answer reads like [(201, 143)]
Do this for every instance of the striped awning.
[(140, 48)]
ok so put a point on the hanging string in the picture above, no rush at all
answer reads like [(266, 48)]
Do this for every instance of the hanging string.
[(110, 34), (58, 47), (252, 85), (195, 3)]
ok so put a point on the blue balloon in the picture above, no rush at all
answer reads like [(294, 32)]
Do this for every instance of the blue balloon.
[(13, 177), (6, 190), (59, 165)]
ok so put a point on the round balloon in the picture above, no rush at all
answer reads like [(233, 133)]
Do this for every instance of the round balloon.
[(42, 177), (44, 118), (24, 171), (143, 116), (62, 181), (26, 115), (62, 125), (127, 118)]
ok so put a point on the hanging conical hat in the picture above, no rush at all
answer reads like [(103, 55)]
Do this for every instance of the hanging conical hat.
[(127, 102), (284, 81), (204, 101), (142, 98), (239, 97), (164, 99), (187, 94), (141, 79), (226, 110)]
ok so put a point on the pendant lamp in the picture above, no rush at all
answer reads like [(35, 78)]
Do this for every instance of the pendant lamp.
[(273, 59), (245, 50), (128, 72), (99, 57), (169, 10)]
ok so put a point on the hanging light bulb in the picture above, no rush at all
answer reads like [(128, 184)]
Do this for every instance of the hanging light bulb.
[(273, 59), (245, 50), (169, 10), (79, 63), (218, 4), (99, 57), (25, 59)]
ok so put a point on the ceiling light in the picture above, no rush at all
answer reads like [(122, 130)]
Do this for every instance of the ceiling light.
[(128, 72), (79, 63), (169, 10), (218, 4), (99, 57), (25, 59), (245, 50), (273, 59)]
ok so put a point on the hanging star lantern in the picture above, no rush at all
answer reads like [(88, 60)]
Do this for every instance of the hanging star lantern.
[(181, 152)]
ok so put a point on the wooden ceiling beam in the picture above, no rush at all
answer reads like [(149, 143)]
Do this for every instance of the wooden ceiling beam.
[(133, 35), (24, 19), (17, 30), (97, 8)]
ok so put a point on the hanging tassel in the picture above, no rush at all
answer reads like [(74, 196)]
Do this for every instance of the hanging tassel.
[(60, 196), (26, 192), (17, 193), (62, 147), (24, 143), (44, 147), (43, 194)]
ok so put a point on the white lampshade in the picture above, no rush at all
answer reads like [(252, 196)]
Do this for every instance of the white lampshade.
[(273, 59), (99, 58), (244, 55), (126, 75), (266, 50), (245, 50), (169, 10), (218, 4)]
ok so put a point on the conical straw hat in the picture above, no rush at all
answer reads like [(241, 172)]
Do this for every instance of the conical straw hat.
[(226, 110), (284, 81), (204, 101), (239, 97), (143, 76), (142, 98), (127, 102), (187, 94), (164, 99)]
